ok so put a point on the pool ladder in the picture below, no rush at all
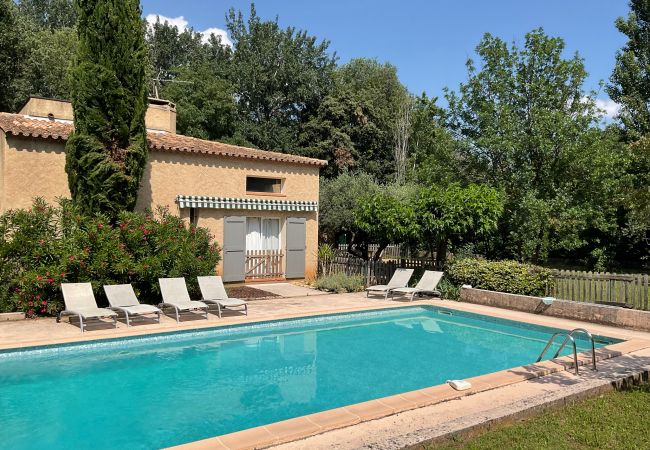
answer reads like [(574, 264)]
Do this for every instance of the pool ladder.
[(569, 337)]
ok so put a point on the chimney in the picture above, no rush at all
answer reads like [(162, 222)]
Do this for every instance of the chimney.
[(161, 114)]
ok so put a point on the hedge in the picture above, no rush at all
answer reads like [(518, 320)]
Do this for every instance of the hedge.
[(503, 276), (47, 245)]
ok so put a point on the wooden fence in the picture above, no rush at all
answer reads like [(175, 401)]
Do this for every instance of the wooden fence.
[(629, 290), (391, 252), (375, 272), (264, 264)]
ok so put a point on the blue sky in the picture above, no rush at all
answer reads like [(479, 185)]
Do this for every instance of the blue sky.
[(428, 41)]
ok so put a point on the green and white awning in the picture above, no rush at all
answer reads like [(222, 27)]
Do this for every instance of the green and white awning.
[(197, 201)]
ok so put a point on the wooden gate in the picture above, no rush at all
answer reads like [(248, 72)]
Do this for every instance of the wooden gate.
[(263, 264)]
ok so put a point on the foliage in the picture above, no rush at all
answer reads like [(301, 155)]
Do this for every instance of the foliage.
[(448, 290), (612, 418), (49, 14), (455, 215), (338, 198), (386, 218), (433, 149), (49, 62), (527, 128), (326, 254), (12, 50), (353, 127), (280, 77), (503, 276), (340, 282), (204, 102), (44, 246), (631, 75), (106, 153)]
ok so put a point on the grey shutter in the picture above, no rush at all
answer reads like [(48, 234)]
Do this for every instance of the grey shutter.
[(234, 248), (296, 246)]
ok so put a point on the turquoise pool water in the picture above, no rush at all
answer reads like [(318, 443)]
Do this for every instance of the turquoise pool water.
[(167, 389)]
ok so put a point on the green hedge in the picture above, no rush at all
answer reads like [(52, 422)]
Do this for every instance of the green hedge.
[(503, 276), (340, 282), (45, 246)]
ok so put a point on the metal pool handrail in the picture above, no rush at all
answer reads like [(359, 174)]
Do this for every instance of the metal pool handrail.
[(568, 337), (591, 338)]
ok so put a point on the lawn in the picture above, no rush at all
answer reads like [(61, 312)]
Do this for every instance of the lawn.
[(616, 420)]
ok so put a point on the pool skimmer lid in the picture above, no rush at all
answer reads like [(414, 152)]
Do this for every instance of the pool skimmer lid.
[(459, 385)]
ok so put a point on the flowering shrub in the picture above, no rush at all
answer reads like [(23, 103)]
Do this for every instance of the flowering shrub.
[(45, 246)]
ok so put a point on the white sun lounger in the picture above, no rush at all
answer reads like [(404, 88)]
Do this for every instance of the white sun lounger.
[(122, 299), (399, 279), (80, 301), (214, 293), (175, 295), (428, 284)]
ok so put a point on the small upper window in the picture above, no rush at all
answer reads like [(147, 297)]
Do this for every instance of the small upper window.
[(266, 185)]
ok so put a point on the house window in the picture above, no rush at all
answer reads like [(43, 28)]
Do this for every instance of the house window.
[(265, 185), (194, 216), (262, 234)]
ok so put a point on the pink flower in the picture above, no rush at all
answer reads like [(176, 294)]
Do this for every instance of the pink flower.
[(100, 226), (50, 280), (72, 257), (43, 303)]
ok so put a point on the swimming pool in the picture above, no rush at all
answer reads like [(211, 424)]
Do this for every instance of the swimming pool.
[(172, 388)]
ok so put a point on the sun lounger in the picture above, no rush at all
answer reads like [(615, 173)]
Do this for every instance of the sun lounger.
[(428, 284), (121, 298), (80, 301), (214, 293), (175, 295), (399, 279)]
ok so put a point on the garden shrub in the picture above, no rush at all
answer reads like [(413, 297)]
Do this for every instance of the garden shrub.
[(340, 282), (47, 245), (503, 276)]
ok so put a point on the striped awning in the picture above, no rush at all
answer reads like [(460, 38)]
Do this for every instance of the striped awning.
[(199, 201)]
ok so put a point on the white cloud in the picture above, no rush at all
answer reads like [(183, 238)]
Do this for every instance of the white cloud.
[(217, 32), (181, 23), (610, 107)]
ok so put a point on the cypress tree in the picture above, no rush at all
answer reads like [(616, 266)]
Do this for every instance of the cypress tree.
[(106, 154)]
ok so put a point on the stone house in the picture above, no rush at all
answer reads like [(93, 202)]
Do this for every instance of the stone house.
[(261, 207)]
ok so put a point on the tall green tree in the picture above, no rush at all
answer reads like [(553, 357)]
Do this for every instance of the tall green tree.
[(49, 61), (205, 103), (49, 14), (630, 80), (12, 53), (353, 127), (528, 128), (280, 78), (106, 154)]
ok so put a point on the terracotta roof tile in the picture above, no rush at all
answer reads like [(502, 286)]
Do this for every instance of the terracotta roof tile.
[(19, 125)]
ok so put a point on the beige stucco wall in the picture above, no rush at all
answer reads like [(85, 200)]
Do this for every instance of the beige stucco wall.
[(35, 167)]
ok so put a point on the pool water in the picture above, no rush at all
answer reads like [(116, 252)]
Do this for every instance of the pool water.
[(167, 389)]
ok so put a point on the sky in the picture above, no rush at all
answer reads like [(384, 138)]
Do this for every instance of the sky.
[(428, 41)]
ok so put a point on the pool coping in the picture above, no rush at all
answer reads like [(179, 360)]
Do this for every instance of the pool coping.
[(313, 424)]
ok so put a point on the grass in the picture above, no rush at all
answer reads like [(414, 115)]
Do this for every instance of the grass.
[(616, 420)]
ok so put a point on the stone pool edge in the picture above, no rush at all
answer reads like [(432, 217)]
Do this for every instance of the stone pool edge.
[(313, 424)]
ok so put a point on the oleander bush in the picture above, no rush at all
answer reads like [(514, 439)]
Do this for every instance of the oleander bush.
[(47, 245), (503, 276), (340, 282)]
